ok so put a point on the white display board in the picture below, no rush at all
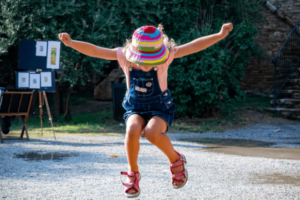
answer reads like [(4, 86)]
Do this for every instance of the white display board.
[(35, 82), (23, 80), (53, 55)]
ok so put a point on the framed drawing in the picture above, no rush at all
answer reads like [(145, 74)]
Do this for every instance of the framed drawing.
[(47, 81), (41, 48), (34, 81), (53, 55), (22, 79)]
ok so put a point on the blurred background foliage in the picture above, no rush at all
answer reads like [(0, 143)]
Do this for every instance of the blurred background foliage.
[(198, 82)]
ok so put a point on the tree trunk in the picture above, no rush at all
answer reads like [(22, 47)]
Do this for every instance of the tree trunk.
[(67, 114)]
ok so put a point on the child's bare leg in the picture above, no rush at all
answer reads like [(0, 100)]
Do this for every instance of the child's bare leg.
[(134, 126), (154, 133)]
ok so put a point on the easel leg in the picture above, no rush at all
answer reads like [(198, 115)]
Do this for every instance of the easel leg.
[(41, 111), (23, 128), (49, 114), (26, 131)]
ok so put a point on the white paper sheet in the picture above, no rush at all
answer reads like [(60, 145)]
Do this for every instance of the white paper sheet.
[(46, 79), (35, 82), (23, 80), (53, 55), (41, 48)]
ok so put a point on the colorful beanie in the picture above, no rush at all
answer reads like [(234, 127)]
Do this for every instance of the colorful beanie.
[(147, 47)]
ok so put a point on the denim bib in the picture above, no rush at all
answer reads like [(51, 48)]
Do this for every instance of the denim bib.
[(144, 97)]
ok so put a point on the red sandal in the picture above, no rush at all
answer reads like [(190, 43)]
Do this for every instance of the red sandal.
[(181, 161), (134, 185)]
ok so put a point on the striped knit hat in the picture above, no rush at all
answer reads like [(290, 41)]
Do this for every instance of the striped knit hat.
[(147, 47)]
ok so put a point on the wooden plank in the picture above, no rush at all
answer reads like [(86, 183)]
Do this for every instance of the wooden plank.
[(13, 114), (10, 102), (20, 102), (6, 92), (29, 106)]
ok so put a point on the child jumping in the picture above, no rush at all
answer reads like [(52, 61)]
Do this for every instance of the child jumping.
[(148, 102)]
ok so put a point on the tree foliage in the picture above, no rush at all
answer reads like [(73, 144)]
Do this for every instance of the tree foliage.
[(197, 82)]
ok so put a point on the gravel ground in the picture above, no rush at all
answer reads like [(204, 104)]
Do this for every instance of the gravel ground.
[(92, 174)]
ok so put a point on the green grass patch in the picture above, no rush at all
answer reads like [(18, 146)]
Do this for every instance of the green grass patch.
[(100, 123)]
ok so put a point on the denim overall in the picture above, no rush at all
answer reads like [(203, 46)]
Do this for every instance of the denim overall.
[(145, 98)]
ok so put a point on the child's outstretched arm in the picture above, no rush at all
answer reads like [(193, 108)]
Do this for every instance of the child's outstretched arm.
[(88, 49), (203, 42)]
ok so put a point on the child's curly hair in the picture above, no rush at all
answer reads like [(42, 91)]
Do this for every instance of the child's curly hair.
[(169, 43)]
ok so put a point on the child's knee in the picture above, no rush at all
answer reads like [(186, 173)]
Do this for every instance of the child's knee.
[(152, 134), (133, 131)]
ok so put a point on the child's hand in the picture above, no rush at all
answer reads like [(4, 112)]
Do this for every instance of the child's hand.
[(65, 38), (225, 29)]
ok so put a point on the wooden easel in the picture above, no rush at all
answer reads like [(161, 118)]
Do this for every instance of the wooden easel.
[(21, 110), (41, 103)]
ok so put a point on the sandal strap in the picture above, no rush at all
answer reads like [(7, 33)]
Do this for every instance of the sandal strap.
[(135, 184), (130, 174), (178, 175), (177, 163)]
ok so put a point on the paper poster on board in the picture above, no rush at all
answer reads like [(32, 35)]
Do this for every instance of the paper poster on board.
[(46, 79), (23, 80), (53, 55), (35, 82), (41, 48)]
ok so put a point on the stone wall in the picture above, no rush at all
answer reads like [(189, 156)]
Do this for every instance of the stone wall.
[(273, 31)]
